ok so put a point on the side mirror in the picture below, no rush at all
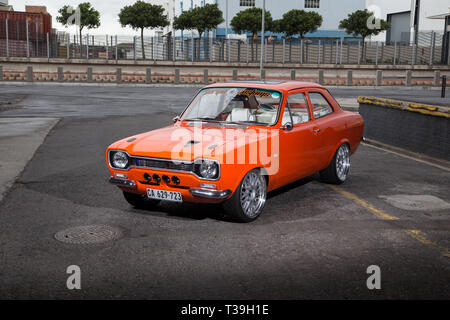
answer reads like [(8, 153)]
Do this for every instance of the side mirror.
[(287, 127), (176, 119)]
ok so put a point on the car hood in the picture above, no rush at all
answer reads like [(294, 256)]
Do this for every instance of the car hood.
[(185, 142)]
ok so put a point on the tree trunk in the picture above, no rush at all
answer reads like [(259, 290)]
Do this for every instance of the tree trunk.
[(142, 43)]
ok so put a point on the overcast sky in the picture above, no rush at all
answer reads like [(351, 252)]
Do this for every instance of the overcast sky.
[(109, 9)]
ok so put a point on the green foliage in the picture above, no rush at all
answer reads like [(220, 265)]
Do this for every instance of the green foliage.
[(142, 15), (357, 24), (249, 20), (277, 26), (89, 17), (202, 18), (299, 22)]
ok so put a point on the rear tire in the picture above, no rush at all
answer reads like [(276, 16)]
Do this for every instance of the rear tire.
[(249, 199), (139, 201), (337, 171)]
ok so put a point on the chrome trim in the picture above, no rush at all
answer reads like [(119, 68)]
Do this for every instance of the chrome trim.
[(162, 169), (210, 194), (122, 182)]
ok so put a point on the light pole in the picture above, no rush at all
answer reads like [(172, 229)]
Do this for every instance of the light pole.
[(226, 19), (261, 67)]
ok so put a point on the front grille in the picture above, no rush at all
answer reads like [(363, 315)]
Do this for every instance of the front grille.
[(161, 164)]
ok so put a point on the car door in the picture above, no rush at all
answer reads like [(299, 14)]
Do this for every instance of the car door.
[(298, 145), (323, 126)]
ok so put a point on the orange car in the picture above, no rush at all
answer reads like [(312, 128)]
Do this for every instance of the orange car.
[(234, 143)]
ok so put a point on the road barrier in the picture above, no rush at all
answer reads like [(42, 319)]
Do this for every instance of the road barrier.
[(419, 128), (116, 74)]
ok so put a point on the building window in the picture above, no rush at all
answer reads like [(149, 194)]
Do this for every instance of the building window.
[(311, 3), (247, 3)]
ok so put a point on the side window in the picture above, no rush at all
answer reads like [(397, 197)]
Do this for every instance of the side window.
[(320, 106), (299, 109)]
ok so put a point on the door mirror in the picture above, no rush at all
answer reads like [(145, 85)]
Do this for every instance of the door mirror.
[(176, 119), (287, 127)]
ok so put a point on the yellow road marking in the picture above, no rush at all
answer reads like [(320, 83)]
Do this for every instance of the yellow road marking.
[(379, 213), (422, 237), (416, 234)]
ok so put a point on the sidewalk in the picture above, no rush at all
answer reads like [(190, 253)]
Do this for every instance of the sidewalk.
[(19, 140)]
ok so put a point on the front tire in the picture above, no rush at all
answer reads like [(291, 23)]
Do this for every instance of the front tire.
[(337, 171), (248, 201), (139, 201)]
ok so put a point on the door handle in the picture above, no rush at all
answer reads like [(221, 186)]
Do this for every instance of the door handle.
[(316, 130)]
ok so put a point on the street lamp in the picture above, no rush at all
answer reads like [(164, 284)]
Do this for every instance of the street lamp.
[(262, 36), (226, 18)]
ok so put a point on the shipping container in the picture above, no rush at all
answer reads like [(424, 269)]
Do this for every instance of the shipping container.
[(37, 22)]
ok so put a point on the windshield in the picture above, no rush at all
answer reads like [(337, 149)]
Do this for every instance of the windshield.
[(235, 105)]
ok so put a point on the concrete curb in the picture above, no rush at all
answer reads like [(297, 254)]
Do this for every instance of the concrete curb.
[(432, 110), (19, 140)]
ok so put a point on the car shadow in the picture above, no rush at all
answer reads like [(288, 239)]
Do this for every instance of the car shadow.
[(189, 211), (292, 186), (196, 211)]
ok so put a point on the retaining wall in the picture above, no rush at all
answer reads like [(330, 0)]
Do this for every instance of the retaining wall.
[(415, 127)]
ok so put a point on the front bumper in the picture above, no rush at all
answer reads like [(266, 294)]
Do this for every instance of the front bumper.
[(207, 194), (210, 194), (123, 183)]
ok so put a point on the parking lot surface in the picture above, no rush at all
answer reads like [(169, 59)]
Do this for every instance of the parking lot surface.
[(312, 241)]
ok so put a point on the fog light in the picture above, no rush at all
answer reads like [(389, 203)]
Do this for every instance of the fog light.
[(147, 177), (208, 185), (156, 178), (166, 179), (175, 180), (120, 175)]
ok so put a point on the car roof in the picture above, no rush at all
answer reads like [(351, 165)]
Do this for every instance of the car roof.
[(268, 84)]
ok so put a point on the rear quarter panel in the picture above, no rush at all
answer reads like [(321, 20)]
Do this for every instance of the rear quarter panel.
[(349, 128)]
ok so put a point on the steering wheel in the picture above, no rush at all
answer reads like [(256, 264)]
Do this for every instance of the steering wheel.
[(266, 107)]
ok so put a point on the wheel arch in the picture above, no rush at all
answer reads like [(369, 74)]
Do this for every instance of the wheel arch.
[(336, 147), (247, 170)]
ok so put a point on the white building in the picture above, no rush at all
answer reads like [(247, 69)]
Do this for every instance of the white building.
[(332, 11), (407, 17)]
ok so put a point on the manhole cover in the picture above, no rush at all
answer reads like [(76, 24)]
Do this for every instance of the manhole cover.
[(88, 234), (417, 202)]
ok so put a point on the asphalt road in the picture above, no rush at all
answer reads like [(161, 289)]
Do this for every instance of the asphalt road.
[(312, 241)]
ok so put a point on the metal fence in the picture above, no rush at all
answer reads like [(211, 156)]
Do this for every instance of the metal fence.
[(23, 40)]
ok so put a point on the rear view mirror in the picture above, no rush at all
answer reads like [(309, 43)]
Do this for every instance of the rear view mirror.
[(287, 127), (176, 119)]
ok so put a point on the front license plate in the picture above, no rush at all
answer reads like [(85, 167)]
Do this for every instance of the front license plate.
[(164, 195)]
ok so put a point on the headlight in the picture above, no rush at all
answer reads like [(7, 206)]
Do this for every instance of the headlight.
[(207, 169), (119, 160)]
